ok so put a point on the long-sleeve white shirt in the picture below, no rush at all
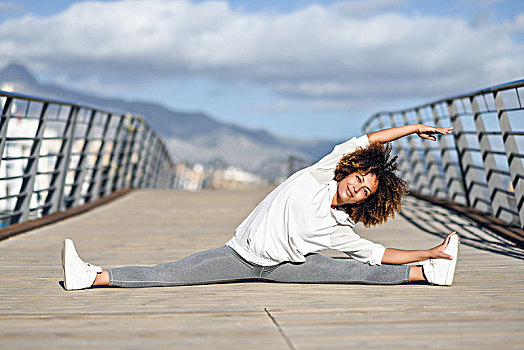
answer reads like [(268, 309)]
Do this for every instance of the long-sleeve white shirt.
[(296, 218)]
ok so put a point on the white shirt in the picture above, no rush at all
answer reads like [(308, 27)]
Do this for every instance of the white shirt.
[(296, 218)]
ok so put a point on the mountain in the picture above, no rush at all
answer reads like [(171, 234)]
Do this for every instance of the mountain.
[(192, 137), (17, 73)]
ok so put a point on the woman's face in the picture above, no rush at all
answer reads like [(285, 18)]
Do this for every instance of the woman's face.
[(355, 188)]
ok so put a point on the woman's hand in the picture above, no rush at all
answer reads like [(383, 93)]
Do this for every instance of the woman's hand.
[(438, 251), (426, 132)]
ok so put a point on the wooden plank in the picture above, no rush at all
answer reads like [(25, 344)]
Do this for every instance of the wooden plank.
[(29, 225)]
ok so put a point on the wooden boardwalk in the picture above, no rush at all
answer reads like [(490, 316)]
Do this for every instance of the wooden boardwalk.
[(483, 309)]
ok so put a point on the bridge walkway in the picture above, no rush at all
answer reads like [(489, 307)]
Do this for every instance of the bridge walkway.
[(484, 309)]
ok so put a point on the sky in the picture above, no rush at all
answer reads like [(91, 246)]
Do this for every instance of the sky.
[(298, 68)]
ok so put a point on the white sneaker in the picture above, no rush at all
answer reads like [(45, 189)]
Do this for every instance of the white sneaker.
[(441, 271), (77, 273)]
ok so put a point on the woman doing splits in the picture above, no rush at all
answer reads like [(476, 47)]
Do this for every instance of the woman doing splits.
[(313, 210)]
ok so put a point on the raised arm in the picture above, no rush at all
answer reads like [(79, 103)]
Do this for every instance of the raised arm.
[(391, 134)]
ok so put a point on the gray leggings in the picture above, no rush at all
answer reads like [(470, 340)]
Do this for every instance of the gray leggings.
[(223, 264)]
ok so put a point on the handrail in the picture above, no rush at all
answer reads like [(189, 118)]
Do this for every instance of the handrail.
[(480, 164), (57, 155), (61, 102)]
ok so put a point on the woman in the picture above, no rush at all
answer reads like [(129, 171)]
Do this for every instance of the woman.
[(311, 211)]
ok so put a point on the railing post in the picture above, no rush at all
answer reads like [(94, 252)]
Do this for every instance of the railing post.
[(93, 190), (4, 122), (403, 155), (127, 177), (165, 168), (55, 198), (146, 162), (23, 201), (416, 163), (156, 164), (160, 169), (468, 172), (76, 188), (515, 163), (498, 199), (107, 181), (454, 181), (147, 180), (122, 155), (434, 178), (138, 171)]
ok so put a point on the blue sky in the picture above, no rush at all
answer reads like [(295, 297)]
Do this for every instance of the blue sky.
[(298, 68)]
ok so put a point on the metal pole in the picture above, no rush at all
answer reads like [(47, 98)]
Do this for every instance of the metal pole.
[(498, 199), (55, 198), (21, 211), (468, 176), (433, 182), (4, 122), (123, 150), (95, 183), (515, 162), (417, 165), (454, 181), (150, 163), (403, 155), (107, 181), (79, 180), (137, 171), (156, 163), (126, 181), (145, 169)]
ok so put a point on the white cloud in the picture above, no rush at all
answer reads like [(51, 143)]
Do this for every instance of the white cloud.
[(9, 6), (334, 54), (364, 8)]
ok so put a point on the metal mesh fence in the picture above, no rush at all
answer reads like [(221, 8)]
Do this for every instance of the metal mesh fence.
[(57, 155), (480, 165)]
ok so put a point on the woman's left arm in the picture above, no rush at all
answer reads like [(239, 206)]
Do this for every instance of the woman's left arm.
[(400, 256), (391, 134)]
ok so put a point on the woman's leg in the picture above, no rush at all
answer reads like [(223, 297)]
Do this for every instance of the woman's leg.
[(312, 271), (210, 266), (322, 269), (416, 274), (102, 279)]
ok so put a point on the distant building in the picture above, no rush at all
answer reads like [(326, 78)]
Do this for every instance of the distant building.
[(197, 177)]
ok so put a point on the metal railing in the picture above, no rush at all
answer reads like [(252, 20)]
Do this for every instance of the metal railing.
[(480, 165), (57, 155)]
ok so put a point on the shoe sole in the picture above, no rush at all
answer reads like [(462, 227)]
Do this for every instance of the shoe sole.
[(454, 244)]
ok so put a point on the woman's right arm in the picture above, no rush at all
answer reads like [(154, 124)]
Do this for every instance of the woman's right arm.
[(401, 256), (391, 134)]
